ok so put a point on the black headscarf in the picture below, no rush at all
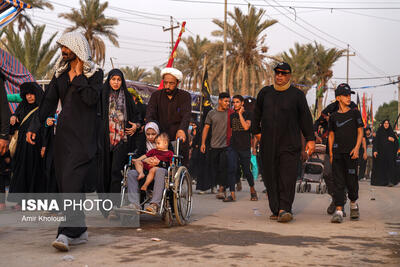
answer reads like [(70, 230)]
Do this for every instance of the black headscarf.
[(389, 131), (112, 73), (24, 107)]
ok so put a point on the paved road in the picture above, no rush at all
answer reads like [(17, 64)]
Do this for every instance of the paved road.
[(231, 234)]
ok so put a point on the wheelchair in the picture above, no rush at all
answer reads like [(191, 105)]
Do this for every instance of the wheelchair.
[(176, 200)]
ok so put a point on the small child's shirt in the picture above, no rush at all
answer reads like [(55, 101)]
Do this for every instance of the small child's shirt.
[(345, 126), (161, 155)]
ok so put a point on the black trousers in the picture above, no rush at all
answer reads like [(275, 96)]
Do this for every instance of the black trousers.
[(222, 173), (362, 165), (344, 170), (282, 185), (75, 224), (242, 159), (118, 158), (3, 188)]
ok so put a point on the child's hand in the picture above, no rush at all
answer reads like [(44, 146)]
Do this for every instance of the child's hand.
[(354, 153), (365, 156), (391, 139), (331, 158)]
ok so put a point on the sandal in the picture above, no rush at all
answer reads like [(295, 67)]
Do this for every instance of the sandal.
[(229, 199), (253, 196), (152, 208)]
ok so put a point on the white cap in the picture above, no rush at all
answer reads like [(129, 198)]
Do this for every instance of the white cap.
[(174, 72)]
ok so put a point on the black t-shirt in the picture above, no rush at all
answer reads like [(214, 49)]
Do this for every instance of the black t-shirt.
[(345, 126), (240, 139)]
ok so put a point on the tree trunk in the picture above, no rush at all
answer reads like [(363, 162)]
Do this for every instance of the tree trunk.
[(321, 97), (245, 81)]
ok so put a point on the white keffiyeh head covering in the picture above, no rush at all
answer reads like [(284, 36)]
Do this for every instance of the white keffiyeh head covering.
[(78, 44)]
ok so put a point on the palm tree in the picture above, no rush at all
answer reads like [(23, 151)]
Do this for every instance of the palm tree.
[(135, 73), (324, 60), (95, 24), (246, 49), (31, 52), (301, 59), (23, 20), (190, 61), (154, 77)]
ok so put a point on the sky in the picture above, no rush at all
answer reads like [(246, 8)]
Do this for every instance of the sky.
[(370, 27)]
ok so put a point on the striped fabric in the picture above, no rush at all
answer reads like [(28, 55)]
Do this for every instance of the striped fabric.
[(14, 73), (9, 10)]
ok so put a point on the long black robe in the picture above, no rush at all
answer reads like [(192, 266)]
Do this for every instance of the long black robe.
[(75, 143), (48, 164), (385, 163), (281, 117), (105, 183), (27, 172), (5, 112)]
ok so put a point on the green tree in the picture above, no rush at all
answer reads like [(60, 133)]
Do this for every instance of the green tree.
[(301, 60), (324, 60), (386, 111), (23, 20), (190, 60), (35, 55), (95, 24), (247, 69), (135, 73), (154, 77)]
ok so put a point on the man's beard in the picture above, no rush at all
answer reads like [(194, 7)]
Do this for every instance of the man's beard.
[(68, 57), (168, 91)]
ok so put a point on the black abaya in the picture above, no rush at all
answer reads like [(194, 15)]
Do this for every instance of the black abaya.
[(384, 166), (28, 176)]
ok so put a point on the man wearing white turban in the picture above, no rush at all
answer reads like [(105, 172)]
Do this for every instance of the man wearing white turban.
[(76, 86), (171, 108)]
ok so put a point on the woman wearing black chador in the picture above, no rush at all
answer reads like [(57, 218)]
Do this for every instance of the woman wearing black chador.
[(384, 152), (27, 174)]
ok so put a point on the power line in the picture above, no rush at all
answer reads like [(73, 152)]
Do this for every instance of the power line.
[(299, 7), (366, 78), (322, 38), (143, 23), (135, 13), (371, 16)]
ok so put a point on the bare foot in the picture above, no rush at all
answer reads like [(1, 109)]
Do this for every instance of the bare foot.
[(141, 176), (144, 188)]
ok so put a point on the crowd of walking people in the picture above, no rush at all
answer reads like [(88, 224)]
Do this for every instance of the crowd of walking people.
[(75, 138)]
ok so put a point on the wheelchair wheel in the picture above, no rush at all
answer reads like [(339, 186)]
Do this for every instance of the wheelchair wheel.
[(182, 196)]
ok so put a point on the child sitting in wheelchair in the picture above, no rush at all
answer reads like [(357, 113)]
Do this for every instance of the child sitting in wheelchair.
[(161, 152)]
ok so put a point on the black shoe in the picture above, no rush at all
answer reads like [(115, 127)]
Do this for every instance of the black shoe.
[(264, 191), (331, 209)]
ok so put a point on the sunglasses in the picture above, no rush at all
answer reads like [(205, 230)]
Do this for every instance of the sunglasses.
[(277, 72)]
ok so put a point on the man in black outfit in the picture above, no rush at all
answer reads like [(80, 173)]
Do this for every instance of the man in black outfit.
[(323, 122), (345, 137), (280, 116), (172, 108), (241, 141), (76, 85)]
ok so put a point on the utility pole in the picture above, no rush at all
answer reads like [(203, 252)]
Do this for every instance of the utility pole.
[(224, 61), (348, 60), (398, 96), (171, 28)]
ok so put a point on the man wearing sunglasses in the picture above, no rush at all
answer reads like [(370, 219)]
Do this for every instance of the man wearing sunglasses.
[(280, 116)]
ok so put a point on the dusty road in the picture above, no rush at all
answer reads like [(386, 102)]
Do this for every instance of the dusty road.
[(231, 234)]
